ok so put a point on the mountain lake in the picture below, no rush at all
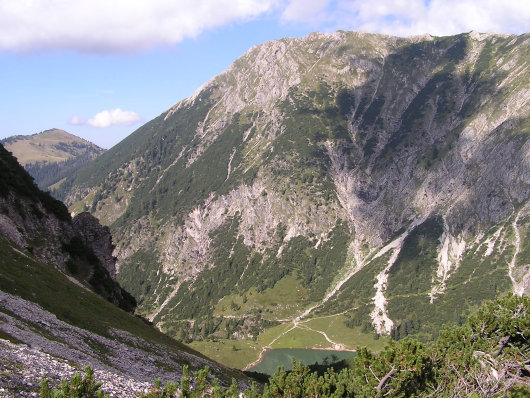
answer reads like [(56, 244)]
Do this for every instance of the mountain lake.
[(284, 357)]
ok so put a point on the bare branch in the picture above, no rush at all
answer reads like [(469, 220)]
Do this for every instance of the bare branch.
[(502, 343), (385, 379), (377, 378)]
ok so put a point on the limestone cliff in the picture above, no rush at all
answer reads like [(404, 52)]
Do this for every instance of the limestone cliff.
[(383, 181)]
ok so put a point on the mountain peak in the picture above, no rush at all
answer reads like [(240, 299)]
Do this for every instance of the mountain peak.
[(49, 146), (51, 154), (376, 181)]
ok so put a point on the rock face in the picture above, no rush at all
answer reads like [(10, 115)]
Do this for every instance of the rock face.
[(387, 179), (42, 227), (97, 237)]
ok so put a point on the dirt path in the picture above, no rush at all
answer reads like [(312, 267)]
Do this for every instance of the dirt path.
[(334, 345), (264, 349), (297, 321), (301, 325)]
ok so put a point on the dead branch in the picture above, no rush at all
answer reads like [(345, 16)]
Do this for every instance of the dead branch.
[(502, 343), (385, 379)]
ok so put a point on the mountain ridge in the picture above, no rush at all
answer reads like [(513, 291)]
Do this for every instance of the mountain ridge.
[(332, 162), (51, 154)]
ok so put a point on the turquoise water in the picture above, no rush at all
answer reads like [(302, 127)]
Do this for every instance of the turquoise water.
[(284, 357)]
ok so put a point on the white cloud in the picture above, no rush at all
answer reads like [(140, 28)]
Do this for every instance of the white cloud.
[(409, 17), (76, 121), (108, 118), (437, 17), (121, 26), (102, 26), (305, 10)]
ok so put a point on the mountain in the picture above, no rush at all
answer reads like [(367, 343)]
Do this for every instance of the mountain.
[(50, 155), (59, 302), (326, 191)]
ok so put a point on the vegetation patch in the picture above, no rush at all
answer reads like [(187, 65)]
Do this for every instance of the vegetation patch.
[(486, 357)]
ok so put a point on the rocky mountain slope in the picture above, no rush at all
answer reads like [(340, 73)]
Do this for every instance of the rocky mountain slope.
[(50, 155), (52, 322), (52, 327), (42, 226), (326, 188)]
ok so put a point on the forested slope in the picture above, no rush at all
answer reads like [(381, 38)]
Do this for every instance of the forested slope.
[(380, 182)]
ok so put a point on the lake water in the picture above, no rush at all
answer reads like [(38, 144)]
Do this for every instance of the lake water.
[(284, 357)]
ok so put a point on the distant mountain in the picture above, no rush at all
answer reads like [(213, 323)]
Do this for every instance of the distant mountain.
[(55, 273), (50, 155), (325, 191)]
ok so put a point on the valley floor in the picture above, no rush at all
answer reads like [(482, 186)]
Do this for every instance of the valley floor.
[(323, 333)]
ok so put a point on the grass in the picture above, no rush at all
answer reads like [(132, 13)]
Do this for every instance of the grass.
[(267, 337), (281, 301), (110, 208), (43, 147), (337, 331), (288, 291), (79, 206), (240, 353), (245, 352), (233, 353), (41, 284), (301, 338)]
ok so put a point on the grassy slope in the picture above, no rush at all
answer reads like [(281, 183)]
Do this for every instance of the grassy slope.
[(307, 334), (34, 281), (48, 146), (240, 353)]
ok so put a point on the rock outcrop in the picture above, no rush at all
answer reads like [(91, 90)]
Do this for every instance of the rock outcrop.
[(97, 237), (42, 227)]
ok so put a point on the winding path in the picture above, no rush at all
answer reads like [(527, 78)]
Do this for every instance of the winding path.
[(297, 321)]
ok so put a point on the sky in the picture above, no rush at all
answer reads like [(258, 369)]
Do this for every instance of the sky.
[(99, 69)]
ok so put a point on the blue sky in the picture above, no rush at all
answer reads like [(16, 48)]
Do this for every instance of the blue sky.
[(99, 69)]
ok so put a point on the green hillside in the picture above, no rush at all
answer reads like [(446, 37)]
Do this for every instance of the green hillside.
[(378, 181), (60, 307), (51, 155)]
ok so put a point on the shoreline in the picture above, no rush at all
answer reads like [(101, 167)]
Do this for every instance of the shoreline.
[(267, 349)]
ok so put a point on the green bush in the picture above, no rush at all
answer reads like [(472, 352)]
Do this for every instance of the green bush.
[(78, 387)]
